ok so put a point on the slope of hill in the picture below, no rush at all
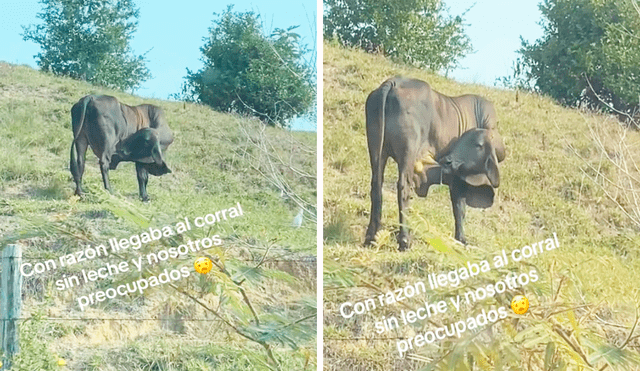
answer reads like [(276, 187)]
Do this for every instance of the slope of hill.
[(583, 307), (255, 309)]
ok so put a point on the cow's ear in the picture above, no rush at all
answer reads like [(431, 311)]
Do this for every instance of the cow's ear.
[(156, 154), (480, 197), (491, 167)]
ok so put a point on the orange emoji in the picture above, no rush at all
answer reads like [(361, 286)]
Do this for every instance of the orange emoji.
[(203, 265), (520, 304)]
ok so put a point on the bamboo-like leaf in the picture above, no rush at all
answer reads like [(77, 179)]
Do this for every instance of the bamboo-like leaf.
[(574, 323), (220, 253), (535, 331), (278, 275), (336, 275), (561, 365), (548, 355), (612, 354)]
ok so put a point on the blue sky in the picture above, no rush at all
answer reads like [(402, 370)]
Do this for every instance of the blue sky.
[(172, 32), (495, 27)]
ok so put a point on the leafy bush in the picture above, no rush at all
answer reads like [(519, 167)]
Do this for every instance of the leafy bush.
[(415, 32), (589, 54), (250, 73), (89, 40)]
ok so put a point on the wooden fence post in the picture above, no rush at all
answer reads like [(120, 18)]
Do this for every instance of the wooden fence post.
[(10, 302)]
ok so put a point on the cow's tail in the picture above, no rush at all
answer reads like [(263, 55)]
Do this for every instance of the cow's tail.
[(73, 162), (375, 111)]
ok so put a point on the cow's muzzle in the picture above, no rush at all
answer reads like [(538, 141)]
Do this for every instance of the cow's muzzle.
[(448, 165)]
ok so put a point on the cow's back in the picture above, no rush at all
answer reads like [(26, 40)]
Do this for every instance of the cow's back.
[(419, 120), (476, 111), (423, 122), (108, 121), (97, 106), (104, 123), (149, 116)]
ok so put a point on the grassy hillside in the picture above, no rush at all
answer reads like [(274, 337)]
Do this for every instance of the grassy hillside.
[(218, 160), (583, 308)]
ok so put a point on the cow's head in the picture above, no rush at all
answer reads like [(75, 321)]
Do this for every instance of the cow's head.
[(473, 159), (143, 147)]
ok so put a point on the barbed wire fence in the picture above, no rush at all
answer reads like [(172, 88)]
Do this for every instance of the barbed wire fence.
[(14, 287)]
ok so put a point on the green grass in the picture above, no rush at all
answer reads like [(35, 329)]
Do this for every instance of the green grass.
[(543, 189), (217, 160)]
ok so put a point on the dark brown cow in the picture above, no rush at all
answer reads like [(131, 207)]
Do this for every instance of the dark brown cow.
[(117, 132), (419, 128)]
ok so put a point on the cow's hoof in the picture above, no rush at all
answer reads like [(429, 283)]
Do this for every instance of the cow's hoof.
[(370, 236), (462, 240), (403, 243), (368, 241)]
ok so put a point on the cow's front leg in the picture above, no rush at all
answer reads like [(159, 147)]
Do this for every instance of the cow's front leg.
[(403, 201), (456, 191), (104, 169), (143, 178)]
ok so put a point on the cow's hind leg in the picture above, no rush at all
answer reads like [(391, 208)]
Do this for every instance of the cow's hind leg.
[(143, 178), (77, 164), (377, 179), (456, 190), (404, 189)]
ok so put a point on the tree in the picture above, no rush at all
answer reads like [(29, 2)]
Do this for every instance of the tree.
[(89, 40), (413, 31), (250, 73), (589, 54)]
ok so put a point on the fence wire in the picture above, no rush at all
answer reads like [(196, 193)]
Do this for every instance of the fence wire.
[(40, 287)]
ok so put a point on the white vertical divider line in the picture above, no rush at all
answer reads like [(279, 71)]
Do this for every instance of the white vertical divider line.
[(320, 193)]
